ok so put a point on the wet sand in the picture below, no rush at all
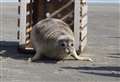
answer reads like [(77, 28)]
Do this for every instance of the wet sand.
[(103, 48)]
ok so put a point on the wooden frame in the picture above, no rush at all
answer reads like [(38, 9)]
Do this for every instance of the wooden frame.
[(73, 12)]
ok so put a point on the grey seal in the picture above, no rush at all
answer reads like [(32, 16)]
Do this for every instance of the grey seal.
[(53, 38)]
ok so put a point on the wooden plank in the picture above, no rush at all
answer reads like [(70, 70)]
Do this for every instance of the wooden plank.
[(22, 22), (29, 29), (28, 44), (83, 33), (29, 48), (27, 14), (60, 9), (83, 25), (27, 41), (83, 21), (77, 23), (83, 44), (67, 15), (84, 9)]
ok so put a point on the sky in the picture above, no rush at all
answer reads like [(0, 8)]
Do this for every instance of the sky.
[(98, 1)]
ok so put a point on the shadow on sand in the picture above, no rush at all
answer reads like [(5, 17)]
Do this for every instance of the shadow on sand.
[(110, 71), (10, 49), (114, 55)]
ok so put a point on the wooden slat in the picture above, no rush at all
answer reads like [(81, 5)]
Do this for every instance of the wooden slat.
[(28, 30), (83, 21), (28, 44), (84, 9), (83, 33), (23, 4), (67, 15), (27, 38), (65, 6), (29, 48), (28, 41), (77, 23), (83, 25), (29, 13), (83, 44)]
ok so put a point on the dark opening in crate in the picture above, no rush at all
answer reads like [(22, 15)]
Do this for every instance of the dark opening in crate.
[(62, 9)]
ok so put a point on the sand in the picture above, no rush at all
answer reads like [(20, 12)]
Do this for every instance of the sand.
[(8, 20), (103, 48)]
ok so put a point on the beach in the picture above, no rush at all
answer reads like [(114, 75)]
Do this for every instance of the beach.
[(103, 47)]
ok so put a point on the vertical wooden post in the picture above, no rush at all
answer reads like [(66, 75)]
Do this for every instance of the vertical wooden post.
[(83, 25), (77, 23), (22, 22), (29, 21)]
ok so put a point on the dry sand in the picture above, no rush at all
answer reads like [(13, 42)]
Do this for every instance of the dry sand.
[(8, 22), (103, 47)]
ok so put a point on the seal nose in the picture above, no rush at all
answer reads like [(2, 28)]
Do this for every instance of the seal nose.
[(67, 51)]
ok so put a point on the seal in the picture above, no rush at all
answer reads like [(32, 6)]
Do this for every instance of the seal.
[(53, 38)]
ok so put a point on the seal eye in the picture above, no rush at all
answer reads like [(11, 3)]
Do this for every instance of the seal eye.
[(72, 44), (62, 44)]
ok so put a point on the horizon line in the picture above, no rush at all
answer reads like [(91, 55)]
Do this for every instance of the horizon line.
[(87, 1)]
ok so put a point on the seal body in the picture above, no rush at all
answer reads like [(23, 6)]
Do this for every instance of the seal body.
[(45, 36), (52, 38)]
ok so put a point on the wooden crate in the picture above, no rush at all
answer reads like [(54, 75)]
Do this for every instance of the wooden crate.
[(73, 12)]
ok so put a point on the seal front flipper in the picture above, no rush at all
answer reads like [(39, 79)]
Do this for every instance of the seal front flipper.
[(74, 55), (36, 57)]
